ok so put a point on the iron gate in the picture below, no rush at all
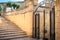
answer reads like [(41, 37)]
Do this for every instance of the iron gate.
[(37, 25)]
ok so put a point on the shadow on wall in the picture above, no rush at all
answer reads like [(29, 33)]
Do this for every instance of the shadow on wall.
[(24, 21)]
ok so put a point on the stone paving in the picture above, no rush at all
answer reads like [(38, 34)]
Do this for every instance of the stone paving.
[(25, 39)]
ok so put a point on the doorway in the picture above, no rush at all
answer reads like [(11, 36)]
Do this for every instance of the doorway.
[(46, 29)]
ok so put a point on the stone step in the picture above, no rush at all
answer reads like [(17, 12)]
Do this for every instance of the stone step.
[(10, 31), (7, 29), (8, 34), (12, 37)]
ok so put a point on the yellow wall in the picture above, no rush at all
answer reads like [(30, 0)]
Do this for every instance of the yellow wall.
[(57, 20), (23, 21)]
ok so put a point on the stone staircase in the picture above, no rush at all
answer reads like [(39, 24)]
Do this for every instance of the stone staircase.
[(10, 31)]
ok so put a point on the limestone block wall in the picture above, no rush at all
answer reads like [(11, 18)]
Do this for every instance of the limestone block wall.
[(23, 19), (57, 22)]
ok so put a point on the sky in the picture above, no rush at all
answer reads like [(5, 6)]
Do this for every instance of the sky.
[(10, 0), (40, 1), (15, 0)]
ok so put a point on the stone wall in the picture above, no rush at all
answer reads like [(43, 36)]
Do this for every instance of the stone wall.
[(57, 22), (22, 18)]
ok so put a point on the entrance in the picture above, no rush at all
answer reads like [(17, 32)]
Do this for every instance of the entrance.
[(46, 29)]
